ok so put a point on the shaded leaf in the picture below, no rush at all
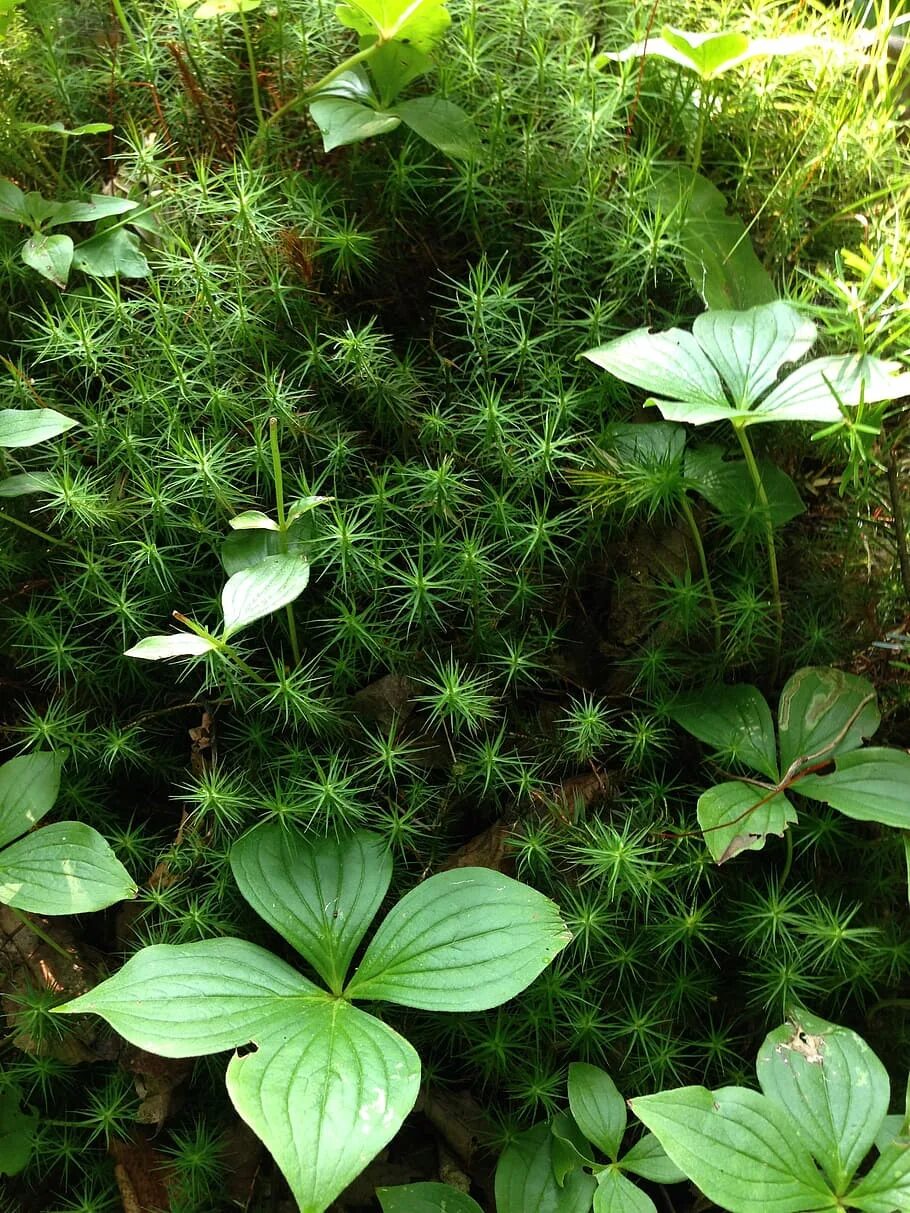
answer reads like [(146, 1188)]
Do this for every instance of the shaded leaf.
[(444, 125), (648, 1159), (597, 1106), (735, 721), (824, 712), (65, 868), (570, 1148), (17, 1130), (525, 1182), (109, 253), (342, 122), (735, 817), (28, 788), (27, 482), (12, 202), (51, 256), (394, 66), (616, 1194), (100, 206), (426, 1198)]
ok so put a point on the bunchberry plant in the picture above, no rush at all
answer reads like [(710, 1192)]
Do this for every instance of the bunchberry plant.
[(823, 718), (328, 1085), (64, 868)]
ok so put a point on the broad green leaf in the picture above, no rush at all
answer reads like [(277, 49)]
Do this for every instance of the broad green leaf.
[(174, 644), (426, 1198), (650, 443), (65, 868), (353, 85), (28, 788), (570, 1147), (867, 785), (321, 896), (812, 392), (100, 206), (253, 520), (444, 125), (712, 54), (727, 485), (671, 364), (648, 1159), (396, 65), (27, 427), (420, 22), (221, 8), (889, 1129), (832, 1085), (303, 505), (40, 209), (735, 817), (824, 712), (597, 1106), (191, 999), (616, 1194), (749, 348), (738, 1147), (109, 253), (51, 256), (886, 1188), (12, 202), (342, 121), (735, 721), (721, 261), (525, 1182), (262, 589), (17, 1130), (243, 549), (57, 128), (27, 482), (464, 940), (325, 1091)]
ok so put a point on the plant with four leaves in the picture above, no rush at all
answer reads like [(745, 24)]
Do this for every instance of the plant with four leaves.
[(328, 1085), (109, 252), (64, 868), (798, 1144), (823, 717), (727, 369)]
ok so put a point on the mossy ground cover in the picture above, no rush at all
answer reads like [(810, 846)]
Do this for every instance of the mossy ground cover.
[(481, 665)]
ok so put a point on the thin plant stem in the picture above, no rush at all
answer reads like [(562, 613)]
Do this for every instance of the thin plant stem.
[(124, 24), (282, 527), (41, 933), (254, 74), (33, 530), (773, 573), (704, 104), (788, 861), (703, 564)]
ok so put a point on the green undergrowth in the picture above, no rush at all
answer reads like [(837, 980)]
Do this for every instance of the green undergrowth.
[(485, 642)]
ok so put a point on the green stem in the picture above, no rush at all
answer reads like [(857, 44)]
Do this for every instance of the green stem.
[(254, 75), (33, 530), (282, 527), (762, 498), (703, 563), (125, 26), (42, 934), (220, 645), (788, 862), (704, 104)]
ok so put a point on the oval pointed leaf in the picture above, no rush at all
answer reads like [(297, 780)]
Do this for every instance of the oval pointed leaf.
[(597, 1106), (65, 868), (736, 817), (110, 253), (100, 206), (649, 1159), (426, 1198), (824, 712), (420, 22), (670, 364), (342, 122), (51, 256), (734, 721), (812, 392), (13, 206), (832, 1085), (263, 588), (738, 1147), (571, 1149), (27, 482), (445, 126), (749, 348), (325, 1092), (320, 896), (525, 1182), (26, 427), (867, 785), (616, 1194), (187, 1000), (175, 644), (28, 788), (464, 940), (253, 520), (886, 1188), (17, 1131)]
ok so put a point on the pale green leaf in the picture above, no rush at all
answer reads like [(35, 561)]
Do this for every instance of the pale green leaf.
[(174, 644), (260, 590), (525, 1182), (721, 261), (832, 1085), (303, 505), (191, 999), (244, 549), (325, 1092), (616, 1194), (100, 206), (648, 1159), (223, 8), (736, 817), (253, 520), (27, 427), (735, 721), (712, 54), (867, 785), (57, 128), (426, 1198), (51, 256), (670, 364), (342, 122), (886, 1187), (464, 940), (813, 391), (27, 482), (420, 22), (597, 1106), (394, 66), (12, 202), (749, 348), (738, 1147), (28, 788), (65, 868), (110, 253), (17, 1130), (442, 124), (824, 712), (321, 895), (353, 85)]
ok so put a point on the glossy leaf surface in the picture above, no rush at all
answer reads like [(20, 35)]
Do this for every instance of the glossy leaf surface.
[(64, 868), (28, 788)]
